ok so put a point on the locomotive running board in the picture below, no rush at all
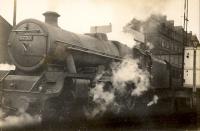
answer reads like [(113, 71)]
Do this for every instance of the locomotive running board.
[(74, 47), (87, 76), (79, 76)]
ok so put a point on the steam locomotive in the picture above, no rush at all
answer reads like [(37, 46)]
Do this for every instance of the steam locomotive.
[(56, 68)]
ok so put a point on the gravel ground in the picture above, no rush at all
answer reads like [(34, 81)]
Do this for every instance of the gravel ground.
[(178, 122)]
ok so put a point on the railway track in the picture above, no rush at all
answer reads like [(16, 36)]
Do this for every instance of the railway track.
[(173, 122)]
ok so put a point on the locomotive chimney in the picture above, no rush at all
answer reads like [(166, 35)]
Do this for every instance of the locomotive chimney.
[(51, 18)]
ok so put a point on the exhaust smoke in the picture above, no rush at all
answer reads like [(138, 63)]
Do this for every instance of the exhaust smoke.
[(154, 100), (129, 71), (20, 120), (5, 66), (128, 82)]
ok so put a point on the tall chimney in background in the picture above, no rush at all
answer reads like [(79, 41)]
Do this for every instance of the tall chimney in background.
[(51, 18)]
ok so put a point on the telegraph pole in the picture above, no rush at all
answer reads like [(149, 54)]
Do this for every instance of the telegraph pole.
[(186, 17), (14, 12), (185, 39)]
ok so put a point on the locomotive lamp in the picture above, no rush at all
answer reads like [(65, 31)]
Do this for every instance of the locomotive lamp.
[(12, 85), (40, 88), (195, 44)]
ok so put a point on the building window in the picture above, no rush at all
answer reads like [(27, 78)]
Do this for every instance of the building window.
[(167, 45), (162, 44), (173, 47)]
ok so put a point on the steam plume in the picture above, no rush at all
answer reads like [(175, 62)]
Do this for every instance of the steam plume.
[(151, 24), (154, 100), (22, 119), (53, 5), (7, 67), (101, 98), (128, 82), (128, 71)]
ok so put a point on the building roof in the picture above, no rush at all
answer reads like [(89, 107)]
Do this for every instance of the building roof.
[(5, 21)]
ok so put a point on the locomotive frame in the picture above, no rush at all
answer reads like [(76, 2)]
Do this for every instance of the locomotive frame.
[(35, 87)]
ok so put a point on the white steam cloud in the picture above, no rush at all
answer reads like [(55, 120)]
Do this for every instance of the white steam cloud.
[(128, 71), (23, 119), (128, 81), (53, 5), (150, 46), (154, 100), (6, 67), (101, 98)]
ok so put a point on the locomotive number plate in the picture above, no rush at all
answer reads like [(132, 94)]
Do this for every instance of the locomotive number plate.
[(25, 38)]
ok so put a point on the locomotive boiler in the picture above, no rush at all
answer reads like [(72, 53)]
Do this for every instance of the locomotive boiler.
[(56, 68), (34, 44)]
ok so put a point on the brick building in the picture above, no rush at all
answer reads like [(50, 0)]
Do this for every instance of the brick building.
[(5, 29), (167, 40)]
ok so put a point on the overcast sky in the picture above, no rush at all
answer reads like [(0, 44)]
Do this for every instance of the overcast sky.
[(79, 15)]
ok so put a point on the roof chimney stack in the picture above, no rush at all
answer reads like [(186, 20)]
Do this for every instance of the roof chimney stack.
[(51, 18)]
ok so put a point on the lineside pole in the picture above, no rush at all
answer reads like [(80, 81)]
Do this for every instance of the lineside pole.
[(14, 12)]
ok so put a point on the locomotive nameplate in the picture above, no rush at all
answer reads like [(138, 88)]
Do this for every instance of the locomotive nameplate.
[(26, 38)]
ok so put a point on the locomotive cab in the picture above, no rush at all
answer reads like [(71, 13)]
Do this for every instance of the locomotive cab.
[(144, 58)]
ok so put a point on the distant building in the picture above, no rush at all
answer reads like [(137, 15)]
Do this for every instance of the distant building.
[(168, 41), (192, 67), (192, 63), (166, 38), (5, 29)]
